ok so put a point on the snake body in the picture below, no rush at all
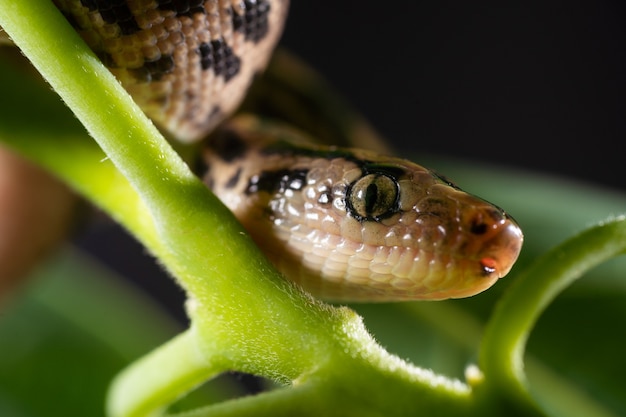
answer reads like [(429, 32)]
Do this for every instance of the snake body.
[(187, 63), (345, 224)]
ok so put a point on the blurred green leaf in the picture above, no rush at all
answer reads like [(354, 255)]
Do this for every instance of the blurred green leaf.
[(70, 332)]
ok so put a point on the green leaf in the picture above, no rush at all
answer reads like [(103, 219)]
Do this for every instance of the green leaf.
[(70, 332)]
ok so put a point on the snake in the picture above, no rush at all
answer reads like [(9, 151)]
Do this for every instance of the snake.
[(345, 224)]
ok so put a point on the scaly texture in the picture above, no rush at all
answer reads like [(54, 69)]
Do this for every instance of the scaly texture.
[(187, 63), (352, 225)]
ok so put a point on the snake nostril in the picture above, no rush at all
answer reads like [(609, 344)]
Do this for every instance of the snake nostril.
[(478, 228), (486, 219)]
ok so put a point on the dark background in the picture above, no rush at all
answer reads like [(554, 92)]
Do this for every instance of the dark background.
[(538, 87)]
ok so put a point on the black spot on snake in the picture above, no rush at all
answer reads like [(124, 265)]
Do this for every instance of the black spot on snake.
[(226, 144), (234, 180), (277, 181), (253, 23), (106, 59), (219, 57), (182, 7), (154, 70), (114, 12), (90, 4), (206, 55)]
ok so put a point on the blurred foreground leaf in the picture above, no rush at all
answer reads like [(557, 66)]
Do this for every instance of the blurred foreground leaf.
[(66, 336)]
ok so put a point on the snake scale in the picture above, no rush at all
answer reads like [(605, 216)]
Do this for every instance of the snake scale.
[(345, 224)]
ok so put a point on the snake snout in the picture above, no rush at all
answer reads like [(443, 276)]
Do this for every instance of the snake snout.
[(492, 242), (502, 245)]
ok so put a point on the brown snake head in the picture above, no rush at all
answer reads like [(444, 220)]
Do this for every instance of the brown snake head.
[(345, 224), (351, 225)]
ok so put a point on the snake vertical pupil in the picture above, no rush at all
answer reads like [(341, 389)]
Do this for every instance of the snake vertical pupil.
[(373, 196)]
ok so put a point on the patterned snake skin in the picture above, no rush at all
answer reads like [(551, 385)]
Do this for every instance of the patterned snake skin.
[(187, 63)]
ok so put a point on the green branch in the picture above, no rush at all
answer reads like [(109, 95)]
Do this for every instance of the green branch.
[(504, 342)]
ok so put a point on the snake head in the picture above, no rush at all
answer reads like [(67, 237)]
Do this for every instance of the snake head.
[(423, 236), (352, 225)]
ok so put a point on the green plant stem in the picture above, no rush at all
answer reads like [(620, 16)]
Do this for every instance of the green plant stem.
[(502, 349), (356, 379), (177, 366)]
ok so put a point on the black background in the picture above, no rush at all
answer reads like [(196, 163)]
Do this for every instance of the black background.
[(538, 87), (534, 85)]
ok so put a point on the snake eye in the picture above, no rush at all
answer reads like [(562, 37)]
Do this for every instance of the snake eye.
[(373, 196)]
